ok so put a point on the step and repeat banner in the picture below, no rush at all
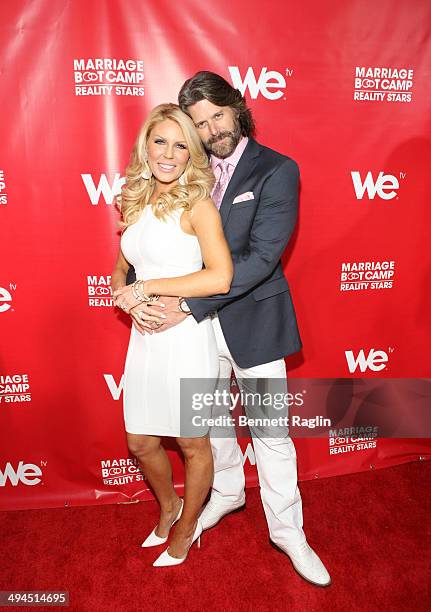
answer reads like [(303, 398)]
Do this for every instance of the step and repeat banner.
[(341, 87)]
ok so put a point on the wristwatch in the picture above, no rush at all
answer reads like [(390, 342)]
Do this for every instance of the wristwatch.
[(183, 306)]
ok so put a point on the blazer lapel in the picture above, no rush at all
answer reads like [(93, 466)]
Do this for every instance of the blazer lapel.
[(244, 169)]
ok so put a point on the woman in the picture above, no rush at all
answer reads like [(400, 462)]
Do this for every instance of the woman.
[(171, 227)]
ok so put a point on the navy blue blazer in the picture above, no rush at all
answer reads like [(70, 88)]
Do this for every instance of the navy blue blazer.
[(257, 315)]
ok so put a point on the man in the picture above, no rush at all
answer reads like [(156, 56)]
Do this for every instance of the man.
[(256, 192)]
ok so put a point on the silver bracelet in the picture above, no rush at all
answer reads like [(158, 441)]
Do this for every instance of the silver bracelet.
[(138, 292)]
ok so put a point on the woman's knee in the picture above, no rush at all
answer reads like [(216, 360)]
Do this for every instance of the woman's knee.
[(141, 446), (192, 447)]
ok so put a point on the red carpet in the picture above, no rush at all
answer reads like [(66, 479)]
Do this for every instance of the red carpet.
[(372, 530)]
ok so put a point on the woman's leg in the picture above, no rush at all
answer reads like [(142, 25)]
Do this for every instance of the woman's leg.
[(158, 472), (198, 478)]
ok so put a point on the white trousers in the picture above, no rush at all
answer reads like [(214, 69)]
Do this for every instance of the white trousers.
[(275, 458)]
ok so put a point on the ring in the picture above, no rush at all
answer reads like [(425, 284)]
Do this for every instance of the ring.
[(157, 324)]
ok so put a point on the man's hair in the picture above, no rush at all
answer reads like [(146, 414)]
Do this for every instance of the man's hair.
[(210, 86)]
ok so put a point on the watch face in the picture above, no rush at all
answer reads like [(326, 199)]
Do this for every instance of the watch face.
[(184, 307)]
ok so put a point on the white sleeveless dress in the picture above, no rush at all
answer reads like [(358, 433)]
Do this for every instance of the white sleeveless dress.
[(156, 363)]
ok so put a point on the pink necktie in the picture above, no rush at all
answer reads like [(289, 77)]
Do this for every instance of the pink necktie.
[(221, 184)]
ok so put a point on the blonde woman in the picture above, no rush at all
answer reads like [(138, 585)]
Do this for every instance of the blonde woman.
[(171, 227)]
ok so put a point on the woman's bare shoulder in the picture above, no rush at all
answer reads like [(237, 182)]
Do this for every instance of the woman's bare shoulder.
[(204, 206)]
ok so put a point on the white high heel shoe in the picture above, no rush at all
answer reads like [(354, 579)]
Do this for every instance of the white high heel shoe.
[(155, 540), (165, 558)]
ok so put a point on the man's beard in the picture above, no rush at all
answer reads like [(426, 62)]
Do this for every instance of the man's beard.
[(224, 149)]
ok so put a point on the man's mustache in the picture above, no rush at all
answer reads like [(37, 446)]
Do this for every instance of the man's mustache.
[(219, 137)]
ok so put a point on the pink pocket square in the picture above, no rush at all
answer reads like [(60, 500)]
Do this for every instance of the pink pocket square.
[(248, 195)]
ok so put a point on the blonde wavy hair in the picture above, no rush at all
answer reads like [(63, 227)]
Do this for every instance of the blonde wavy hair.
[(137, 191)]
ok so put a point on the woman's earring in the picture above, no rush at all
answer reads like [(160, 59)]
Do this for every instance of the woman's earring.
[(182, 179), (146, 174)]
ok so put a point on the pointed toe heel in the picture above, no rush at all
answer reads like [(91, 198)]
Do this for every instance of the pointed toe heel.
[(155, 540), (165, 559)]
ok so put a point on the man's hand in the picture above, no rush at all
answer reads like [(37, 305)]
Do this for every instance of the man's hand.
[(145, 318), (172, 312), (156, 317)]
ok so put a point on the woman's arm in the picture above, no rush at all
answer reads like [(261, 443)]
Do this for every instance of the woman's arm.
[(119, 274)]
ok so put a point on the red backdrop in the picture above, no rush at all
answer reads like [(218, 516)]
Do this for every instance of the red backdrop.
[(344, 89)]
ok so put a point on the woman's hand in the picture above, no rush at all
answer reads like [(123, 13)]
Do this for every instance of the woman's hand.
[(124, 298)]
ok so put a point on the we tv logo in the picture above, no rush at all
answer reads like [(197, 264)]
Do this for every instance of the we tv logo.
[(270, 83), (6, 297), (385, 186), (114, 389), (103, 188), (376, 360), (26, 473)]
